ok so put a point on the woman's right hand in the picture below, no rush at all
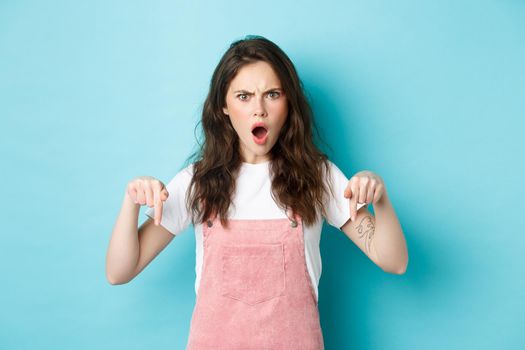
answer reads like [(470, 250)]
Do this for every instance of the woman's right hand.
[(150, 191)]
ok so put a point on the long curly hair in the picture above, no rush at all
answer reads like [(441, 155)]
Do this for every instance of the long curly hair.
[(297, 167)]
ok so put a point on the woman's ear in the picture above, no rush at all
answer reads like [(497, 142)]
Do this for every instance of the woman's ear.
[(225, 110)]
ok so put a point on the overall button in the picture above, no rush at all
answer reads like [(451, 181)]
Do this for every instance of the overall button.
[(294, 223), (210, 223)]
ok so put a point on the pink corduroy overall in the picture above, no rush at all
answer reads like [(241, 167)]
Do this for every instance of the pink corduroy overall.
[(255, 291)]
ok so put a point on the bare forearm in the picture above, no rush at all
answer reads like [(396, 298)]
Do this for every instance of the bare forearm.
[(389, 241), (123, 250)]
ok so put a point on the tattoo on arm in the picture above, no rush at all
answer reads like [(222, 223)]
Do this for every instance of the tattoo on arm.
[(366, 230)]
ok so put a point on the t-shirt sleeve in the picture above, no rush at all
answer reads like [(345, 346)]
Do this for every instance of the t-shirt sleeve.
[(175, 215), (338, 207)]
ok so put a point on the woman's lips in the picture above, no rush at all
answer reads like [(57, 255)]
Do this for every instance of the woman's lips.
[(260, 135)]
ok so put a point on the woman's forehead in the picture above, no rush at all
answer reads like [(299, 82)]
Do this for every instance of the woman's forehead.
[(259, 75)]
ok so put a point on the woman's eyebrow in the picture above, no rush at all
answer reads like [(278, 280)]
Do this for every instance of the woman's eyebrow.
[(247, 92)]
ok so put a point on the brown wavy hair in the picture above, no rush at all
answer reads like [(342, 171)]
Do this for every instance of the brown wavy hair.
[(297, 166)]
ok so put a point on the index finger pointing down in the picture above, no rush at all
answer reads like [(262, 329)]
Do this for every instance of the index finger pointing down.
[(353, 201), (158, 207)]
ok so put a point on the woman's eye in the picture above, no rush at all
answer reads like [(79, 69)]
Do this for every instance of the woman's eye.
[(271, 94)]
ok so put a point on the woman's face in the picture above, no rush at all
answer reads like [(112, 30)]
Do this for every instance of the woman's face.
[(255, 95)]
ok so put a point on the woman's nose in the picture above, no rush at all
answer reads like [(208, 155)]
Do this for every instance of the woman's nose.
[(259, 108)]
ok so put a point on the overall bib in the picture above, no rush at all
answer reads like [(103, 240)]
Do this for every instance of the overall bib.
[(255, 290)]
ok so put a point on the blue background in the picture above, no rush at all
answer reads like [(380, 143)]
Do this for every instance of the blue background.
[(429, 95)]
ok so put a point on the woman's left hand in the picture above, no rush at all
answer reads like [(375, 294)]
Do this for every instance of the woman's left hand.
[(364, 187)]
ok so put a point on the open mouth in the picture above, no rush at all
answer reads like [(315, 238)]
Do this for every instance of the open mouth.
[(260, 134), (259, 131)]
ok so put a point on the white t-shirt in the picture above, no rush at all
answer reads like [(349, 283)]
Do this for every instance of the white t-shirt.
[(253, 200)]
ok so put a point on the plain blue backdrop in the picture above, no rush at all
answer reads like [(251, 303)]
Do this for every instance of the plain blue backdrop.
[(430, 95)]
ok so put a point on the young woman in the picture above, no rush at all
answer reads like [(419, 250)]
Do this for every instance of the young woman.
[(256, 194)]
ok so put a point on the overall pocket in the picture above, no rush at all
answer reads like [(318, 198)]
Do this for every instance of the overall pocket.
[(253, 273)]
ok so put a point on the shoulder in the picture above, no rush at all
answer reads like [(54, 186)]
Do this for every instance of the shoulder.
[(335, 175), (186, 172), (331, 166), (181, 179)]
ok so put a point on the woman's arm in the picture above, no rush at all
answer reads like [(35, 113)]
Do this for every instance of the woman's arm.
[(130, 249), (380, 237), (389, 241), (123, 250)]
